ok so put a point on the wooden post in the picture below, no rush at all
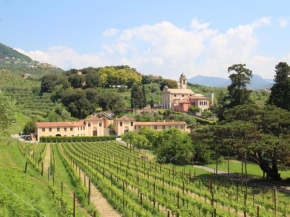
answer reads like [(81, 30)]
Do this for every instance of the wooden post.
[(214, 212), (42, 169), (258, 211), (94, 213), (141, 199), (26, 164), (74, 205), (89, 193), (85, 180), (178, 200), (168, 213), (52, 179)]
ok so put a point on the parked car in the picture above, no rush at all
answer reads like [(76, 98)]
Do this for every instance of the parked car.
[(21, 133), (28, 138)]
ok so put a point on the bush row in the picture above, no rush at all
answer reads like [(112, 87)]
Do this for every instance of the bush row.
[(204, 121), (76, 138)]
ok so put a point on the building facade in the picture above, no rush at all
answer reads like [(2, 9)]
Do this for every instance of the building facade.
[(95, 126), (181, 99)]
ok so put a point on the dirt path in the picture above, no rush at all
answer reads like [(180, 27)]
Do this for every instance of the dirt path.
[(46, 161), (104, 208)]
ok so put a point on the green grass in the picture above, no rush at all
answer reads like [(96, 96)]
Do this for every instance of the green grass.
[(253, 169), (18, 126), (30, 186)]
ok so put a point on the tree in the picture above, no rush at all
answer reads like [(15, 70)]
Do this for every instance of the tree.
[(237, 91), (93, 80), (137, 99), (144, 96), (280, 96), (151, 136), (260, 135), (7, 112), (48, 82), (76, 80), (29, 127), (76, 103), (194, 109), (173, 147)]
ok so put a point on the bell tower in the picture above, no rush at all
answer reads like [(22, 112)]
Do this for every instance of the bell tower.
[(182, 82)]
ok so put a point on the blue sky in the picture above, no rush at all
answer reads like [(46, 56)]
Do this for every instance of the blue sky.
[(156, 37)]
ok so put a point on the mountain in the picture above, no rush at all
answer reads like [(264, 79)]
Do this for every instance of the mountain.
[(257, 82), (8, 52), (20, 64)]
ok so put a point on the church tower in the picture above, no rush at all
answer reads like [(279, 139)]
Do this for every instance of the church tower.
[(182, 82)]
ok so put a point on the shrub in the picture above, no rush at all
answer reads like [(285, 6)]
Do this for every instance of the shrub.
[(50, 139)]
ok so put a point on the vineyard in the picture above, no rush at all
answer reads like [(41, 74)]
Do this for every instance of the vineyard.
[(71, 173), (136, 186)]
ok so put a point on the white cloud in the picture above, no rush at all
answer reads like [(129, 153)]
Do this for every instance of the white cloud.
[(167, 50), (66, 58), (111, 32), (283, 21), (195, 24)]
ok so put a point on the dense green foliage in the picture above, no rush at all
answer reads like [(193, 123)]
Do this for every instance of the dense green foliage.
[(29, 127), (280, 96), (7, 112), (258, 134), (138, 97), (49, 139)]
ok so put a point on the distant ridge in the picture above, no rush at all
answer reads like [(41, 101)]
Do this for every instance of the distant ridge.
[(257, 82), (6, 51)]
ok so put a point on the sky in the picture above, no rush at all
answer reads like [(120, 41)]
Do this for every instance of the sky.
[(158, 37)]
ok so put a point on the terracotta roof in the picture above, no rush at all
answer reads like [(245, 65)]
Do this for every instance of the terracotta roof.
[(173, 123), (125, 118), (60, 124), (184, 101), (94, 118), (182, 91)]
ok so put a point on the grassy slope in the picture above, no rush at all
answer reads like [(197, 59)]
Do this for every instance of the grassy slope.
[(29, 186), (253, 169)]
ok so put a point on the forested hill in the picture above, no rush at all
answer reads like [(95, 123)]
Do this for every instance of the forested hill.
[(20, 64), (6, 51)]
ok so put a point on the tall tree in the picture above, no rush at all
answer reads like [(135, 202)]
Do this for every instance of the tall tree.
[(280, 96), (7, 112), (144, 96), (137, 100), (237, 91)]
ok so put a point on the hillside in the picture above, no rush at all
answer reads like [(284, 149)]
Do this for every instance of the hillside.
[(8, 52), (257, 82), (20, 64)]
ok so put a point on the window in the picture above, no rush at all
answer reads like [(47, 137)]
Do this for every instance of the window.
[(43, 129), (50, 129), (155, 127), (121, 124), (65, 129), (163, 127), (132, 124), (182, 127), (84, 128), (193, 103), (100, 124), (89, 125), (174, 95), (182, 95), (58, 129), (71, 129), (135, 127)]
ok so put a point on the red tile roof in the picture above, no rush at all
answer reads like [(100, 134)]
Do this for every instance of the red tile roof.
[(160, 123), (60, 124)]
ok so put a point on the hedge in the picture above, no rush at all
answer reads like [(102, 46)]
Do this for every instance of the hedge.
[(76, 138), (204, 121)]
